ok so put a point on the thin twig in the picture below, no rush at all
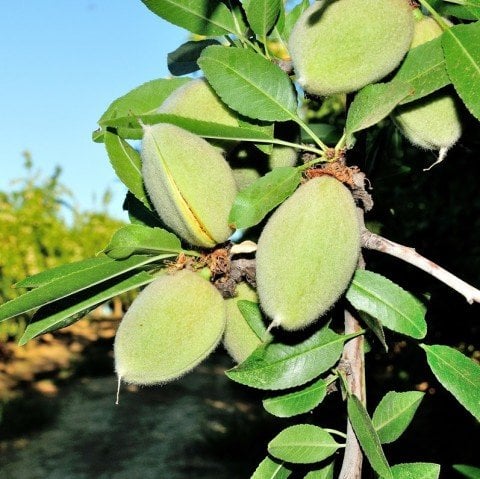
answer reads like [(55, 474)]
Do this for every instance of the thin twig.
[(409, 255)]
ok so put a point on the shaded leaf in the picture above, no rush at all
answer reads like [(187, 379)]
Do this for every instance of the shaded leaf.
[(253, 203), (140, 239), (457, 373), (138, 213), (367, 437), (424, 70), (262, 15), (203, 17), (469, 10), (376, 327), (253, 316), (416, 470), (303, 444), (373, 103), (470, 472), (183, 60), (297, 402), (66, 311), (271, 469), (127, 163), (394, 307), (249, 83), (73, 282), (279, 366), (461, 45), (394, 413)]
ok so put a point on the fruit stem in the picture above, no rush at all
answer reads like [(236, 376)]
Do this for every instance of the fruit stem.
[(443, 24)]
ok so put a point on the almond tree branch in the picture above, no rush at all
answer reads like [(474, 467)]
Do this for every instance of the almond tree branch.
[(409, 255)]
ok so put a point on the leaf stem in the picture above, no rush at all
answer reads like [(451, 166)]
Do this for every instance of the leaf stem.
[(307, 129), (443, 24), (376, 242), (335, 432)]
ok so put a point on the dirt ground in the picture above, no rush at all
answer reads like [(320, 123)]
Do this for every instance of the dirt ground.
[(201, 426)]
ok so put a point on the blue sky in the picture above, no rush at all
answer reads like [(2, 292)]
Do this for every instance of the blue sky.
[(62, 63)]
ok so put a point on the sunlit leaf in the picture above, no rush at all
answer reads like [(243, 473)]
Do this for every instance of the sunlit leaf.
[(394, 413), (303, 444), (297, 402), (461, 44), (262, 15), (416, 470), (394, 307), (203, 17), (271, 469), (249, 83), (278, 366)]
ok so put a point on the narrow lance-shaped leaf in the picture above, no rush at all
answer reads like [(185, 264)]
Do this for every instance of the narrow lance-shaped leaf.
[(424, 70), (127, 164), (468, 10), (416, 470), (303, 444), (297, 402), (253, 316), (291, 18), (249, 83), (203, 17), (367, 437), (394, 413), (131, 128), (66, 311), (183, 60), (458, 374), (470, 472), (323, 473), (132, 239), (461, 44), (71, 283), (253, 203), (394, 307), (279, 366), (271, 469), (262, 15), (373, 103)]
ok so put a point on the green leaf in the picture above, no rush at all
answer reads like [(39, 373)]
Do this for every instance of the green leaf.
[(249, 83), (61, 271), (253, 203), (127, 163), (253, 316), (279, 366), (291, 18), (323, 473), (367, 437), (271, 469), (140, 239), (461, 45), (66, 311), (303, 444), (144, 99), (458, 374), (394, 307), (376, 327), (394, 413), (262, 15), (424, 70), (416, 470), (203, 17), (373, 103), (468, 471), (138, 213), (469, 10), (73, 282), (131, 128), (298, 402), (183, 60)]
